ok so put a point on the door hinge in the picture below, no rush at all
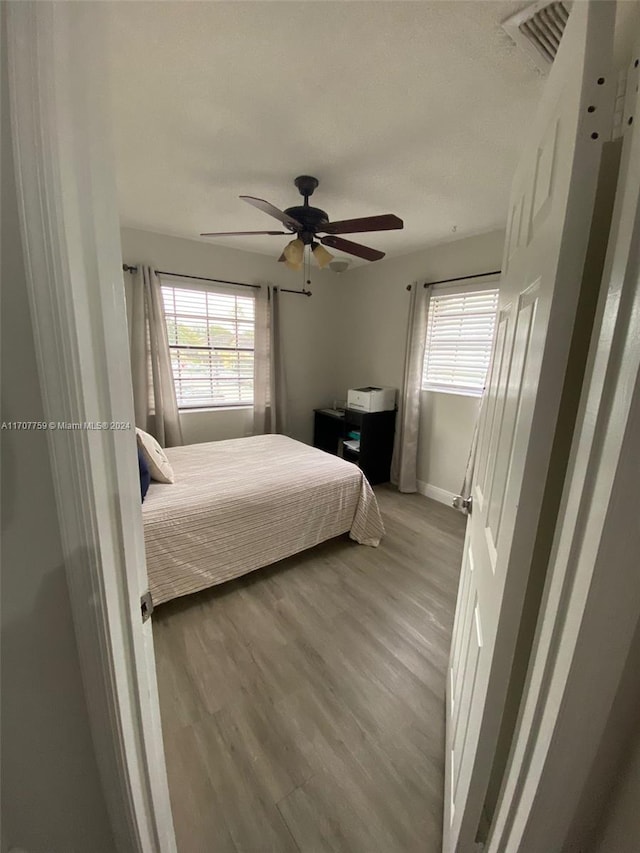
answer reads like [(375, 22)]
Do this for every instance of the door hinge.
[(625, 99), (146, 605)]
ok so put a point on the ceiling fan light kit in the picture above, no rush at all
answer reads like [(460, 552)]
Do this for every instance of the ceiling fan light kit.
[(323, 258), (307, 223), (294, 251)]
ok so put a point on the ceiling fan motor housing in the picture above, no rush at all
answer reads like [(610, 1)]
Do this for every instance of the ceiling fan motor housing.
[(311, 218)]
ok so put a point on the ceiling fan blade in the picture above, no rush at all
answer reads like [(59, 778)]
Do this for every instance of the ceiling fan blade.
[(384, 222), (238, 233), (266, 207), (352, 248)]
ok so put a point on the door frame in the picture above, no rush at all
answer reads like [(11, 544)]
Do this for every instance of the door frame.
[(73, 261), (591, 604)]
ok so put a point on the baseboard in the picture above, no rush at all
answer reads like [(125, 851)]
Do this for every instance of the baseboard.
[(436, 493)]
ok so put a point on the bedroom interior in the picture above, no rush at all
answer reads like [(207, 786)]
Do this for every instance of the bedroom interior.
[(290, 667), (301, 620), (349, 333), (287, 670)]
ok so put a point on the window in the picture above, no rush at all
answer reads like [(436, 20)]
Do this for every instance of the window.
[(460, 330), (211, 339)]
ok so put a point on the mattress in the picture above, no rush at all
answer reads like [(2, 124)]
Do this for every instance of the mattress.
[(242, 504)]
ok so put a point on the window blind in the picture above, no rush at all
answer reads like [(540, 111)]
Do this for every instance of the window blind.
[(460, 330), (211, 340)]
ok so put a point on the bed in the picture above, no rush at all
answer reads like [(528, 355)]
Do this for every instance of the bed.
[(245, 503)]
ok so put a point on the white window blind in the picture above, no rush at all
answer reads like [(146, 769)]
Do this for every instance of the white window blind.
[(460, 330), (211, 340)]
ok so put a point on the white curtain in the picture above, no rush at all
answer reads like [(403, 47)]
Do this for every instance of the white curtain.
[(154, 393), (269, 382), (404, 464)]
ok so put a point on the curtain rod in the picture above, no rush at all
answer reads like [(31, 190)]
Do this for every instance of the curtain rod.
[(134, 269), (458, 278), (301, 292), (128, 268)]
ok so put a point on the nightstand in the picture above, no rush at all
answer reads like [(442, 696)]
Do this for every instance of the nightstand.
[(364, 438)]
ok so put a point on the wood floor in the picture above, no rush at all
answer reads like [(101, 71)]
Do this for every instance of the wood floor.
[(303, 705)]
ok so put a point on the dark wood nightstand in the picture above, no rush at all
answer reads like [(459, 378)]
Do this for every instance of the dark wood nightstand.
[(370, 432)]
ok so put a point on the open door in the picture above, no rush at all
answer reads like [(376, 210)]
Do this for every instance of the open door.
[(550, 213)]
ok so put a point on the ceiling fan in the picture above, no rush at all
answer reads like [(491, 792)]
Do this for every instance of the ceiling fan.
[(308, 222)]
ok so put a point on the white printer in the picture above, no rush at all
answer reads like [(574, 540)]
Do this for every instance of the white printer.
[(371, 399)]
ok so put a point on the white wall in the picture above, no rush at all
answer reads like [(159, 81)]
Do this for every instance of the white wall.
[(52, 800), (447, 422), (372, 316), (309, 347)]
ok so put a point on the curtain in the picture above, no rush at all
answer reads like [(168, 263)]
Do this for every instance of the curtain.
[(404, 464), (261, 362), (269, 382), (154, 393), (277, 378)]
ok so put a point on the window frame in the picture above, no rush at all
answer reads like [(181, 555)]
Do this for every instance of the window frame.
[(451, 288), (180, 283)]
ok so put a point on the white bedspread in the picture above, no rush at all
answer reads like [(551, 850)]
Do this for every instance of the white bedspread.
[(242, 504)]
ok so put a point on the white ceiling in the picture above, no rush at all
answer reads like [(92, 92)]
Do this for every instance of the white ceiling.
[(412, 108)]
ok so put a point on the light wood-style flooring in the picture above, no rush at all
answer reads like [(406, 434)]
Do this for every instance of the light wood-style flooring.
[(303, 704)]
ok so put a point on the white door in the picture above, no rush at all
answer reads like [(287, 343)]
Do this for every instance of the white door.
[(549, 220), (591, 613)]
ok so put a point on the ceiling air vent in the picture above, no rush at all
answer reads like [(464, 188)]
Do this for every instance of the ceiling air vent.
[(538, 28)]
